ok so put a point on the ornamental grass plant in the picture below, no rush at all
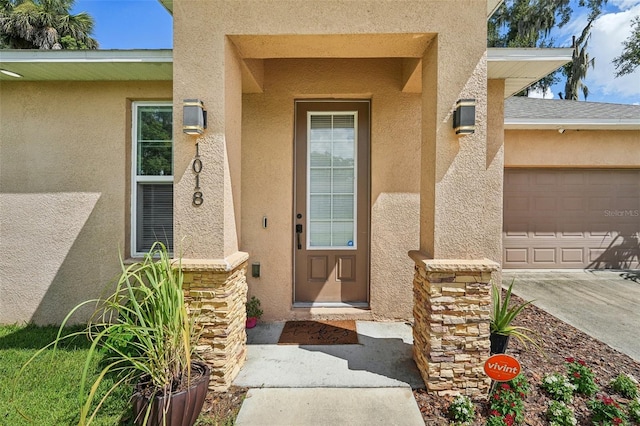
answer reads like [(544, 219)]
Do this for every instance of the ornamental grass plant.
[(142, 330)]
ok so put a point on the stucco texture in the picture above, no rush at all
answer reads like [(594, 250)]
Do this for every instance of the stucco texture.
[(573, 148), (267, 176), (64, 192), (287, 50)]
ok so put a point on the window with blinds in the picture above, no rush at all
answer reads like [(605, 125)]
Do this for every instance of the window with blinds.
[(152, 171), (331, 180)]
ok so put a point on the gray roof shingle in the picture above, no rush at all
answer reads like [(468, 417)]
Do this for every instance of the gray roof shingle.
[(531, 113)]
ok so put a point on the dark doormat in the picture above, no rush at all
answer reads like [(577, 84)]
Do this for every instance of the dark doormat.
[(319, 333)]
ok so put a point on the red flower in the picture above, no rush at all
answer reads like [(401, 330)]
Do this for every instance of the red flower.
[(616, 420), (496, 396), (607, 400), (582, 363), (570, 359), (495, 413), (522, 395), (513, 404), (509, 419), (576, 375), (505, 386)]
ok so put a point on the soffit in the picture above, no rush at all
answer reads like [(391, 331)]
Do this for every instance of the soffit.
[(87, 65), (522, 67)]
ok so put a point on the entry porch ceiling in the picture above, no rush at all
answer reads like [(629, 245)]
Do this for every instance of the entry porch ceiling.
[(518, 67)]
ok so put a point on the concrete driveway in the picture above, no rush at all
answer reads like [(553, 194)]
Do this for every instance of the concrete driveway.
[(603, 304)]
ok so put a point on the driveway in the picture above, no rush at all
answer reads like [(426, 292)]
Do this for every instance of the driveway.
[(603, 304)]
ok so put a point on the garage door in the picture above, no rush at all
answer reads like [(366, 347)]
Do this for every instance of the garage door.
[(570, 218)]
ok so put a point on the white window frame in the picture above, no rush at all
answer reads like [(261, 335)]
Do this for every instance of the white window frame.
[(135, 178), (309, 247)]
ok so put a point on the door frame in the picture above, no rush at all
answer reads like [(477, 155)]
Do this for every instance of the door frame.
[(367, 250)]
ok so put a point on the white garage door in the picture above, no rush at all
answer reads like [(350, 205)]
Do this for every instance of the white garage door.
[(571, 218)]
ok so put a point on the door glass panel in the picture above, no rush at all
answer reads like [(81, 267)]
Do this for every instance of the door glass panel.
[(331, 164)]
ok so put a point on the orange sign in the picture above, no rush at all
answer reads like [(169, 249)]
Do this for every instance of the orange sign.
[(502, 368)]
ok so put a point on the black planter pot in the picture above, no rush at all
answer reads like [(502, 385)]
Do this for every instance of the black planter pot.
[(499, 343), (184, 407)]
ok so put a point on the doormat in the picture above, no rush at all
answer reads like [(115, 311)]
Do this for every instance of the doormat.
[(319, 333)]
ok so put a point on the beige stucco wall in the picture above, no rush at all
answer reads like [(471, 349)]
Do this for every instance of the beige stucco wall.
[(573, 148), (244, 31), (63, 192), (267, 175)]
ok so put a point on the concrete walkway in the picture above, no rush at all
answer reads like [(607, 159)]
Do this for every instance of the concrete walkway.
[(603, 304), (365, 384)]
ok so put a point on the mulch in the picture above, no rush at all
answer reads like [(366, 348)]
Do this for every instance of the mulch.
[(560, 341)]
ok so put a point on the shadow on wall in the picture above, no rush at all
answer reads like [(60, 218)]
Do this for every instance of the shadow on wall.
[(56, 253), (622, 253)]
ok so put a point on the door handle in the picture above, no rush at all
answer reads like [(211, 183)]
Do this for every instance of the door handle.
[(298, 232)]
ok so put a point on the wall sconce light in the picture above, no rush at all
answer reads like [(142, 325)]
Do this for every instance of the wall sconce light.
[(194, 117), (255, 269), (464, 117)]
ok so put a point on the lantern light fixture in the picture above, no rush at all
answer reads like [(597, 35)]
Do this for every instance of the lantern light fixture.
[(194, 117), (464, 117)]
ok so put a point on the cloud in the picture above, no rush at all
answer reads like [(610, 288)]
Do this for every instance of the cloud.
[(607, 35), (624, 4), (537, 93)]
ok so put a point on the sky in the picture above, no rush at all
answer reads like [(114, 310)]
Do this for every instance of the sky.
[(146, 24)]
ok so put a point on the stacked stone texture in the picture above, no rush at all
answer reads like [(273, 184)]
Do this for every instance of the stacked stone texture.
[(451, 331), (216, 298)]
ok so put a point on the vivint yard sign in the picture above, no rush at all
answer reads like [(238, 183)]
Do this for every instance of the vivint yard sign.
[(502, 368)]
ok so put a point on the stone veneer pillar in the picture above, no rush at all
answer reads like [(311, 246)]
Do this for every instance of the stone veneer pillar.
[(216, 292), (452, 302)]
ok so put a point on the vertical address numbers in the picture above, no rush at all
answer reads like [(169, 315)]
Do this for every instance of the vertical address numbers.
[(197, 168)]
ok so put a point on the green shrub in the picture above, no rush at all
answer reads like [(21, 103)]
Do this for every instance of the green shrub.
[(625, 386), (559, 414), (581, 376), (558, 387), (634, 411), (462, 411), (606, 412)]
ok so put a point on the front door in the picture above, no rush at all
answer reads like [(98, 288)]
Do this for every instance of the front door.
[(331, 208)]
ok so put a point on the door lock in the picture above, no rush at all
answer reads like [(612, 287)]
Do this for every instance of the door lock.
[(298, 232)]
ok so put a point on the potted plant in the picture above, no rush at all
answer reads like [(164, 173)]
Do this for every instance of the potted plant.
[(149, 339), (502, 316), (253, 311)]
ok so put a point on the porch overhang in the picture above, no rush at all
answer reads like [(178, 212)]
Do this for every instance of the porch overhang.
[(518, 67)]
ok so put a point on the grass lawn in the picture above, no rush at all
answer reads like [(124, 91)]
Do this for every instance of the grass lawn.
[(47, 391)]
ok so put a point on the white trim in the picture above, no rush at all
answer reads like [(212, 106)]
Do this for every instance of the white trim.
[(135, 179), (87, 56), (509, 54), (585, 123)]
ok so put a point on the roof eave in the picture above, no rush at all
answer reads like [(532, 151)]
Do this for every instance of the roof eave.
[(521, 67), (572, 124)]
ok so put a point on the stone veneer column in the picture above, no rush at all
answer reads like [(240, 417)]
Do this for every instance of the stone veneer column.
[(452, 302), (216, 292)]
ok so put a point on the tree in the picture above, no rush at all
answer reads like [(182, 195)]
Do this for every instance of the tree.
[(576, 70), (629, 59), (528, 23), (44, 24)]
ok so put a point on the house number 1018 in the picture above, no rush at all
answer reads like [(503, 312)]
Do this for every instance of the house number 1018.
[(197, 168)]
